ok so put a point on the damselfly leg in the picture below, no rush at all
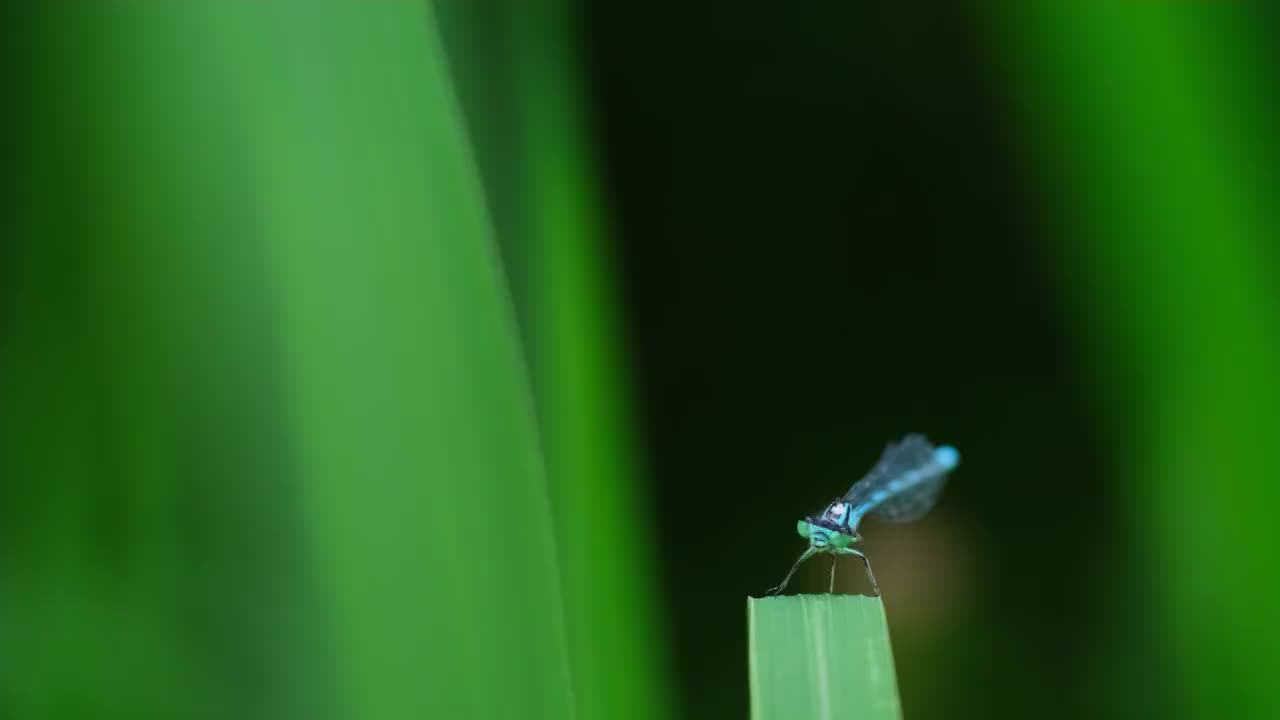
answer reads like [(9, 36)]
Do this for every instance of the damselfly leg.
[(783, 585), (867, 563)]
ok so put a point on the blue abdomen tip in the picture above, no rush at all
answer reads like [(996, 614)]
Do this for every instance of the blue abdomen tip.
[(946, 456)]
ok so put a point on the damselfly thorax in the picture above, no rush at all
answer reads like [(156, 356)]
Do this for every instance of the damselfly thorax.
[(832, 527)]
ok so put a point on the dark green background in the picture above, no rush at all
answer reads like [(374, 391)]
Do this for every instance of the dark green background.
[(829, 236), (476, 360)]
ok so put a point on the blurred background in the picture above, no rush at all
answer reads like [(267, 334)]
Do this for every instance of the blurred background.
[(476, 359)]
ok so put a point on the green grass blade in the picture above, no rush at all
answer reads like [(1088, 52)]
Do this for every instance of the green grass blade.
[(266, 437), (1155, 126), (517, 73), (581, 389), (820, 656)]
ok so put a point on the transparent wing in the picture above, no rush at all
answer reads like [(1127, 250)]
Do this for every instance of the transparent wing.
[(911, 504), (907, 455), (903, 485)]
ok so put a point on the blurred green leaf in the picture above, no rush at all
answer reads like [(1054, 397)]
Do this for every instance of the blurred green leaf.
[(267, 439), (518, 75), (820, 656), (1156, 125)]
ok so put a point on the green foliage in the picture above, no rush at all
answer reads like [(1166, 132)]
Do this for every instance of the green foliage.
[(517, 75), (1159, 135), (819, 657), (266, 439)]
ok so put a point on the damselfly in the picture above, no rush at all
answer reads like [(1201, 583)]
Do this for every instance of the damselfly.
[(902, 487)]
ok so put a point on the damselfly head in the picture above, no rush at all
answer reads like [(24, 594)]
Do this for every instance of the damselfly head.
[(836, 514), (831, 527)]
